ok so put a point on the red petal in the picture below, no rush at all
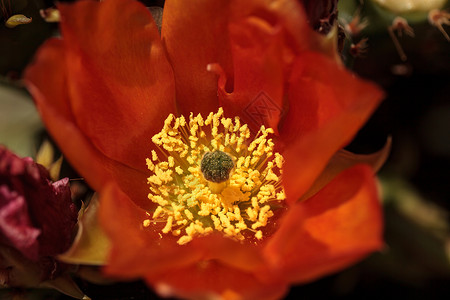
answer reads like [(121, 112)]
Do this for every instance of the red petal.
[(250, 40), (338, 226), (242, 256), (213, 280), (327, 107), (146, 251), (259, 73), (53, 105), (49, 90), (264, 42), (195, 35), (120, 83), (137, 251)]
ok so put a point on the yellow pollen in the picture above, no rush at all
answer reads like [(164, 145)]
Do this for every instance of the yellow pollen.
[(146, 223), (192, 206)]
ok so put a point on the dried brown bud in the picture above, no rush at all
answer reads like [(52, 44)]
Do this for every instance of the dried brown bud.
[(16, 20)]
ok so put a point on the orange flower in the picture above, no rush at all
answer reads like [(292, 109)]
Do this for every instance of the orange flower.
[(105, 89)]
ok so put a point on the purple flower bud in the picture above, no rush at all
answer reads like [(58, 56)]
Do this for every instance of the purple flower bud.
[(37, 216), (15, 225)]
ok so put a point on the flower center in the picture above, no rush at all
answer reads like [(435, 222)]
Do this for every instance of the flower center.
[(216, 166), (213, 178)]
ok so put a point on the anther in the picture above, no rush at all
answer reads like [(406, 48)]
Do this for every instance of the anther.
[(216, 166), (200, 189)]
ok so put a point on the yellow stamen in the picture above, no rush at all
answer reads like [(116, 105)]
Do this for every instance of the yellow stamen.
[(235, 205)]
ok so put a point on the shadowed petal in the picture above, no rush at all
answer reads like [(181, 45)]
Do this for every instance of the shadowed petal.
[(344, 159)]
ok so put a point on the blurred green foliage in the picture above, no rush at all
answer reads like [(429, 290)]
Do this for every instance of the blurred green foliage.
[(19, 121)]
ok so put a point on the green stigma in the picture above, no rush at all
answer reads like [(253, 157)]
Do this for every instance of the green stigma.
[(216, 166)]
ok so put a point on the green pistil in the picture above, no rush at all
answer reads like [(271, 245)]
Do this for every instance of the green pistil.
[(216, 166)]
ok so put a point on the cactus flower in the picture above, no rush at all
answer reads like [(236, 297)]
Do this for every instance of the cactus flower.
[(215, 145)]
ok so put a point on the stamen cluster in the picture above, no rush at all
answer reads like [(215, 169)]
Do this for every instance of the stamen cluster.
[(189, 204)]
